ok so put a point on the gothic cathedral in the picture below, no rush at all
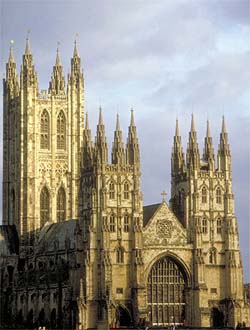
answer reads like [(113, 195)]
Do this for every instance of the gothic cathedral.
[(79, 250)]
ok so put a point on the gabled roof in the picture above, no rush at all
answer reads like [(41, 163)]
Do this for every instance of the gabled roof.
[(9, 241), (148, 212)]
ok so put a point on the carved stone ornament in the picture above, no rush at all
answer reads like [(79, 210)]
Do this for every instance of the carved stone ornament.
[(164, 228)]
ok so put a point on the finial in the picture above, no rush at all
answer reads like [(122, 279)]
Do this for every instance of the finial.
[(223, 125), (58, 62), (192, 123), (75, 54), (117, 123), (100, 116), (177, 133), (11, 56), (164, 195), (208, 129), (132, 120), (87, 121), (27, 48)]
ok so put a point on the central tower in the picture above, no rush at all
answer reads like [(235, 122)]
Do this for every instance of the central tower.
[(42, 143)]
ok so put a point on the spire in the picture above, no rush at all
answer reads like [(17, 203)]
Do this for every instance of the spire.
[(58, 62), (57, 84), (193, 156), (177, 159), (177, 133), (117, 149), (28, 76), (192, 123), (223, 130), (75, 53), (132, 146), (87, 152), (100, 121), (117, 123), (208, 152), (11, 56), (224, 155), (27, 47), (76, 77), (11, 74), (132, 120), (101, 148)]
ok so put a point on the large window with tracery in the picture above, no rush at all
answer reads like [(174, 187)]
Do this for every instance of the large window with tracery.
[(61, 131), (44, 206), (61, 205), (44, 130), (166, 293)]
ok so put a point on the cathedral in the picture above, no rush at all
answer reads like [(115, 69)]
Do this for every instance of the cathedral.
[(79, 249)]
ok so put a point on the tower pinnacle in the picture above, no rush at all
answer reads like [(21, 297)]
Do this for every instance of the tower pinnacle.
[(27, 47), (100, 121)]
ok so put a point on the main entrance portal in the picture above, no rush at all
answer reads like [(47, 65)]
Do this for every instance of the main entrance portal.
[(166, 293)]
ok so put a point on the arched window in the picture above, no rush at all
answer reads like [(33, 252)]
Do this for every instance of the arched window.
[(61, 205), (126, 223), (112, 223), (204, 195), (44, 206), (166, 293), (126, 190), (112, 190), (212, 256), (61, 131), (219, 226), (44, 130), (218, 196), (120, 255), (204, 225)]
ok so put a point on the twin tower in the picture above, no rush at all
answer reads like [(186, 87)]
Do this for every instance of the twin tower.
[(46, 145)]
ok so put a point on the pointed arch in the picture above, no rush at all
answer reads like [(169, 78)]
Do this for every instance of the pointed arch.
[(111, 190), (219, 225), (61, 131), (204, 195), (44, 206), (61, 205), (44, 130), (126, 190), (218, 196), (126, 223), (112, 225)]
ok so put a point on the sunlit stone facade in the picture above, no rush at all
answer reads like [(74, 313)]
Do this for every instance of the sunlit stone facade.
[(79, 250)]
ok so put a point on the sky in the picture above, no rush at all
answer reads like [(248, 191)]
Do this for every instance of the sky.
[(163, 58)]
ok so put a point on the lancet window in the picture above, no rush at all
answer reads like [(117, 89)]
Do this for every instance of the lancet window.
[(44, 130), (61, 205), (44, 206), (112, 190), (126, 190), (112, 223), (61, 131), (126, 223), (218, 196), (204, 195)]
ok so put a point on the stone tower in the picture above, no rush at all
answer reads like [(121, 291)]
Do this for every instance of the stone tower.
[(42, 141), (203, 200), (111, 218)]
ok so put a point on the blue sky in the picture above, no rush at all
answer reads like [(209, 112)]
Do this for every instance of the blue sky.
[(163, 58)]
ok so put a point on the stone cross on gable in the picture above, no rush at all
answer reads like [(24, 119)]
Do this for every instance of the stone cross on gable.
[(164, 195)]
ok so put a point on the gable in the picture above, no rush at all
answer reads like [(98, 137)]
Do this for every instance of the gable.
[(163, 228)]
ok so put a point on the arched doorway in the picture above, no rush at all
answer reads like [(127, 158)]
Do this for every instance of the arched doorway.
[(166, 286), (217, 317), (123, 316)]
